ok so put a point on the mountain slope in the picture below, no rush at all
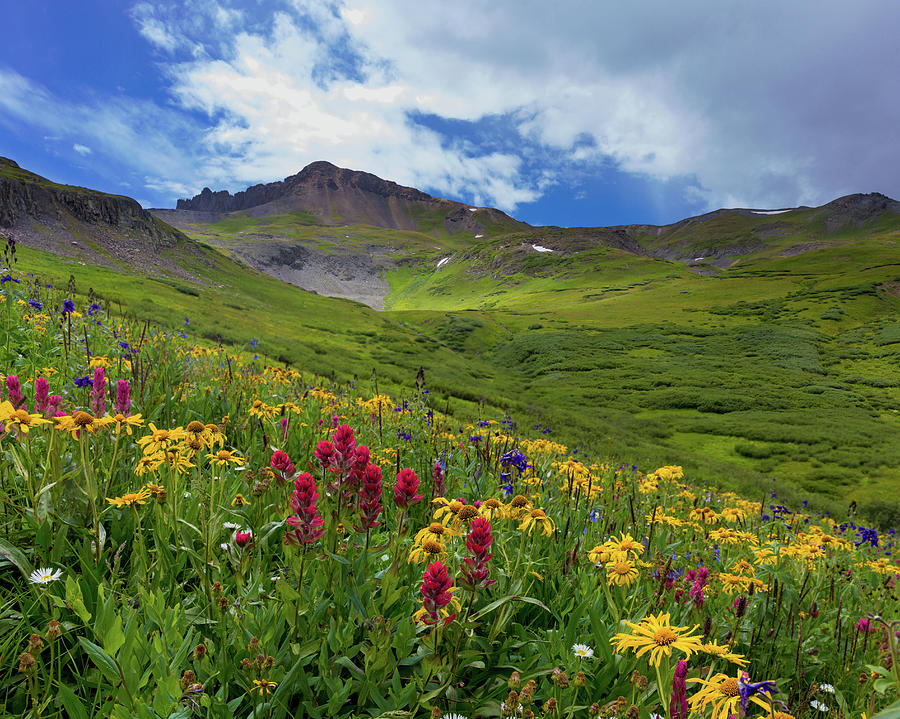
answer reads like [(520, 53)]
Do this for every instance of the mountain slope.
[(89, 226)]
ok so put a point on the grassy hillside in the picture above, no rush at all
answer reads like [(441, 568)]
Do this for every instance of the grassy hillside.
[(776, 355)]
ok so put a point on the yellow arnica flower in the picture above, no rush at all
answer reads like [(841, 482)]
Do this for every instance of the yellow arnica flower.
[(160, 439), (19, 419), (130, 499), (724, 652), (517, 507), (74, 423), (705, 515), (723, 693), (656, 635), (239, 501), (429, 550), (624, 545), (263, 686), (435, 531), (621, 573), (149, 463), (126, 423), (223, 457), (537, 518), (447, 509), (734, 514), (157, 491)]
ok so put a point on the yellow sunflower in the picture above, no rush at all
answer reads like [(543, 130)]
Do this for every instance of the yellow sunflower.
[(492, 509), (159, 440), (656, 635)]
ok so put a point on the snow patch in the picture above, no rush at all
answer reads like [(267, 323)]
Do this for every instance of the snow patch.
[(538, 248), (478, 236), (697, 259), (768, 212), (473, 209), (442, 262)]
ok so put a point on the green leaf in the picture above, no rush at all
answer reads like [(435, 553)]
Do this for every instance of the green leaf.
[(105, 663), (114, 637), (892, 712), (503, 600), (76, 600), (72, 704), (16, 556)]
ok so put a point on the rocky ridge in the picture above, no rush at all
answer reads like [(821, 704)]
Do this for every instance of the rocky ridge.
[(92, 226)]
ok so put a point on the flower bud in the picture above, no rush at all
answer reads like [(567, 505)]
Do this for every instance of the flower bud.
[(514, 680)]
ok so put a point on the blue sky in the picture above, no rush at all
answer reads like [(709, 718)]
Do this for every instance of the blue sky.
[(571, 113)]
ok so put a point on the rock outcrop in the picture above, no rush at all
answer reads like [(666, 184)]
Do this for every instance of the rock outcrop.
[(337, 196)]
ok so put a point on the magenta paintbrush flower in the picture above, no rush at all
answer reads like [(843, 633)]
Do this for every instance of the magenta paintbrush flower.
[(436, 583), (306, 521), (405, 489)]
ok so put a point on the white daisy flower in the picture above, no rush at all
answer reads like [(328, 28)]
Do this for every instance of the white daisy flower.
[(826, 688), (583, 651), (44, 576), (816, 704), (452, 716), (231, 525)]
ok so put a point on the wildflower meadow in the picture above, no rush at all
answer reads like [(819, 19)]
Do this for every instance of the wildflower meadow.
[(187, 531)]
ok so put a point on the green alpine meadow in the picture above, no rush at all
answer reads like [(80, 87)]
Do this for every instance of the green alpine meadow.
[(376, 359)]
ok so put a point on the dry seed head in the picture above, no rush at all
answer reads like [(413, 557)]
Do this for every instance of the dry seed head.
[(26, 662), (35, 643)]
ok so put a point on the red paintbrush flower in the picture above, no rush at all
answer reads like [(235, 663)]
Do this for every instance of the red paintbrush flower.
[(435, 595), (306, 520), (282, 465), (474, 569), (405, 489), (370, 498)]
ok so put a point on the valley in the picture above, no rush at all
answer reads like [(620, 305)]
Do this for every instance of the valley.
[(745, 344)]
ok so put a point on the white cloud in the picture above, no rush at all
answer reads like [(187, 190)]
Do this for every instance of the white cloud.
[(768, 104), (81, 149)]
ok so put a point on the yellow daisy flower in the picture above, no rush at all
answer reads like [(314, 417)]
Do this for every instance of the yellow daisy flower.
[(621, 573), (19, 419), (537, 518), (656, 635), (223, 457), (130, 499)]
